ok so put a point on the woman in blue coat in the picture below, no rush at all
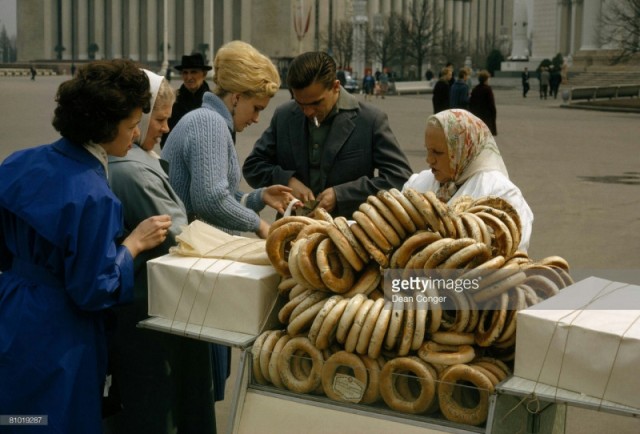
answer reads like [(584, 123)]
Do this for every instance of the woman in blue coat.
[(61, 260)]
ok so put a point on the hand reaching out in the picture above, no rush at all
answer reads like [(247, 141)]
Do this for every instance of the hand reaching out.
[(300, 191), (148, 234), (277, 197)]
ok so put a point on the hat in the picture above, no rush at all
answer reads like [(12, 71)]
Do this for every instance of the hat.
[(193, 61)]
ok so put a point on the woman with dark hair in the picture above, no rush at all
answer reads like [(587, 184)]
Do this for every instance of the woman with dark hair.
[(482, 103), (61, 262)]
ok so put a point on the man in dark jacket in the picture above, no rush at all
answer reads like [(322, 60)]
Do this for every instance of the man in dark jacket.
[(441, 91), (194, 72), (325, 144)]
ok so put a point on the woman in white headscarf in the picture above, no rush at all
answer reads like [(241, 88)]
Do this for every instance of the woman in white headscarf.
[(464, 159), (164, 381)]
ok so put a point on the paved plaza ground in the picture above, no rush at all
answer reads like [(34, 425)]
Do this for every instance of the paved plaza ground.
[(578, 169)]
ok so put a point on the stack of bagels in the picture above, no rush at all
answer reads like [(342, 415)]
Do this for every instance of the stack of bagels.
[(342, 338)]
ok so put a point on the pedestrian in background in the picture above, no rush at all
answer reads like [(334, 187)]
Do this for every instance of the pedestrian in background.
[(440, 96), (368, 85), (544, 82), (194, 73), (33, 72), (459, 92), (525, 82), (482, 102)]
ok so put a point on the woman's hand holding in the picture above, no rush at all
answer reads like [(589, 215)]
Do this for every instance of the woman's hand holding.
[(148, 234), (327, 199), (277, 197)]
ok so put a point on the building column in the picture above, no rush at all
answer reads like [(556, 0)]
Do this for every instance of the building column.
[(189, 43), (98, 28), (49, 42), (82, 35), (245, 26), (67, 23), (134, 30), (228, 21), (575, 5), (151, 17), (590, 24), (116, 30)]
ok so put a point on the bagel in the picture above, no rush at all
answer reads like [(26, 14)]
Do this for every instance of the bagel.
[(543, 286), (379, 331), (343, 226), (372, 231), (494, 369), (256, 349), (266, 352), (502, 204), (397, 210), (310, 300), (305, 319), (517, 302), (408, 329), (385, 228), (409, 208), (372, 392), (460, 204), (317, 322), (502, 239), (433, 352), (487, 373), (345, 248), (500, 287), (462, 257), (453, 410), (290, 219), (368, 326), (395, 324), (461, 231), (557, 261), (285, 285), (348, 316), (546, 271), (373, 251), (297, 290), (317, 227), (295, 384), (287, 309), (388, 216), (307, 263), (322, 214), (453, 338), (294, 264), (327, 332), (419, 259), (336, 283), (274, 375), (388, 377), (418, 240), (349, 388), (422, 311), (428, 214), (434, 315), (492, 321), (459, 321), (513, 227), (354, 332), (444, 252), (442, 211), (277, 243), (367, 282)]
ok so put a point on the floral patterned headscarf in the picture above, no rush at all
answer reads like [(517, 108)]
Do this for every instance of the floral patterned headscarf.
[(472, 148)]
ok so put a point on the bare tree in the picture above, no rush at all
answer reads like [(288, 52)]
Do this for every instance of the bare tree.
[(620, 27), (342, 43), (420, 30), (386, 48)]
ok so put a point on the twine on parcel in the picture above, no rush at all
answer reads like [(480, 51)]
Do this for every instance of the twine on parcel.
[(199, 239), (602, 293)]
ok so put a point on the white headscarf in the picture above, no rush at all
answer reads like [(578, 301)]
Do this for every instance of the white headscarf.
[(154, 82), (472, 149)]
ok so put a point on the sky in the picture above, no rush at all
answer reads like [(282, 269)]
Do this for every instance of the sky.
[(8, 16)]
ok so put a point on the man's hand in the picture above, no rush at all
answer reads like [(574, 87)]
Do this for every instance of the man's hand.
[(300, 191), (327, 199)]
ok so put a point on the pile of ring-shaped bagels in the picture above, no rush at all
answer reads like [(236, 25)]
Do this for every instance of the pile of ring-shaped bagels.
[(342, 338)]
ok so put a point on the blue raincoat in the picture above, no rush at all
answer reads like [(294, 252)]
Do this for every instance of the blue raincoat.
[(61, 267)]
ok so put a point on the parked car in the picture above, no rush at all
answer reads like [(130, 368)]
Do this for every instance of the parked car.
[(352, 85)]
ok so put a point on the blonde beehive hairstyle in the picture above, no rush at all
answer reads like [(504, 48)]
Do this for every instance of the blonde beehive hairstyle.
[(240, 68)]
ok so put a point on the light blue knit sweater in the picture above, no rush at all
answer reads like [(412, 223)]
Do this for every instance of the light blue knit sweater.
[(204, 169)]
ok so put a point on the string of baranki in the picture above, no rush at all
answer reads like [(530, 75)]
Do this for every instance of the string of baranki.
[(533, 397), (242, 243)]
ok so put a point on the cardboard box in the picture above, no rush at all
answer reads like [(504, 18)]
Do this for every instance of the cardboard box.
[(585, 339), (216, 293)]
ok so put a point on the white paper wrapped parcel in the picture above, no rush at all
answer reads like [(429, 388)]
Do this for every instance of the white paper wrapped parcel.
[(585, 339)]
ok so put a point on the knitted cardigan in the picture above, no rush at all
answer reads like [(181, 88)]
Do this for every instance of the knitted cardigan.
[(205, 172)]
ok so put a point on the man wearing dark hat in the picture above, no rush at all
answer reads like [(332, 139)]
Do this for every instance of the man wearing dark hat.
[(194, 72)]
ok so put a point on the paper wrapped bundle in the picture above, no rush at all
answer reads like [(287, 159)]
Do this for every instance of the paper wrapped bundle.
[(585, 339), (213, 279), (204, 241)]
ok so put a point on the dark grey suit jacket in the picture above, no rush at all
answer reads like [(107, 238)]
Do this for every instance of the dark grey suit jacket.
[(361, 155)]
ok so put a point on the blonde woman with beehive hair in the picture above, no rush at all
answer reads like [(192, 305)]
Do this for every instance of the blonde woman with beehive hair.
[(205, 171)]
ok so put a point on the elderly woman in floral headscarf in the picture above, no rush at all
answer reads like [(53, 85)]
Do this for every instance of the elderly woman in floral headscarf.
[(464, 160)]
